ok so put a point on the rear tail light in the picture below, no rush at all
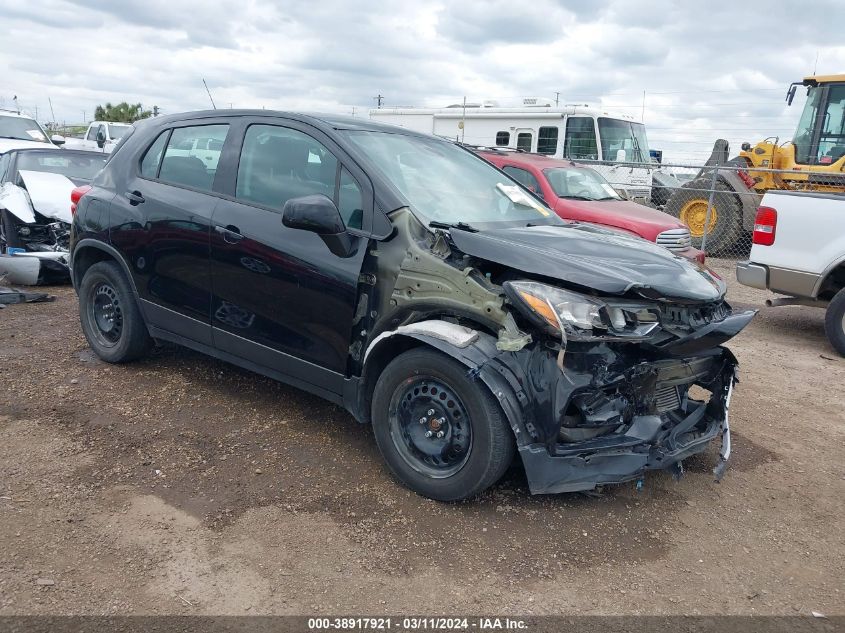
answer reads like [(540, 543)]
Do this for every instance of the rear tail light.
[(76, 196), (764, 226)]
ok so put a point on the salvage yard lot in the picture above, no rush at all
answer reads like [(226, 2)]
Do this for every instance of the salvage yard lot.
[(180, 484)]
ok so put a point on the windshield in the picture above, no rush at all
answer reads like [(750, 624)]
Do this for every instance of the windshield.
[(21, 128), (117, 130), (830, 145), (623, 135), (580, 182), (444, 183), (74, 166)]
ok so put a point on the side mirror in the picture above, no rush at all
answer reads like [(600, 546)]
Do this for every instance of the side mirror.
[(620, 156), (57, 139), (318, 214)]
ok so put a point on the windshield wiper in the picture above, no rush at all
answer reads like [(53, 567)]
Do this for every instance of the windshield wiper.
[(463, 226), (17, 138), (578, 198)]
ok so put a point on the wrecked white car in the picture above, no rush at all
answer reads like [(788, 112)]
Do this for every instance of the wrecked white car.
[(35, 188), (418, 286)]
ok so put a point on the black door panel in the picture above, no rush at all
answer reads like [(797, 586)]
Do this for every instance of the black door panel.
[(281, 287), (166, 242)]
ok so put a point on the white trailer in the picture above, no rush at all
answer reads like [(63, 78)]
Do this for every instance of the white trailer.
[(615, 144)]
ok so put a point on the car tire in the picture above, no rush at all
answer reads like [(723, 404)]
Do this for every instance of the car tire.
[(109, 314), (8, 232), (424, 391), (834, 322)]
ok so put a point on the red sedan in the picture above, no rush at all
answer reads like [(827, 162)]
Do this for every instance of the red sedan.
[(579, 193)]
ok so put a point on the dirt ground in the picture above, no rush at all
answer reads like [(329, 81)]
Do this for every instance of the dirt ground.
[(182, 485)]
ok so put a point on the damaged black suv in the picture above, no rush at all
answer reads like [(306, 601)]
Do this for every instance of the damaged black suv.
[(413, 283)]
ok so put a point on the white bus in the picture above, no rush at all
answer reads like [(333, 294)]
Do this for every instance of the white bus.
[(613, 143)]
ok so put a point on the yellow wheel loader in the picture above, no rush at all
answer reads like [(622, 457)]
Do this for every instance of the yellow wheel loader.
[(813, 161)]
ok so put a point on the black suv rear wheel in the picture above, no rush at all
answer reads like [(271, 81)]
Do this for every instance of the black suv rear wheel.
[(441, 432), (111, 320)]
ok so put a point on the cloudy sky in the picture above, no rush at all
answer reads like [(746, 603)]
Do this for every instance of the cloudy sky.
[(708, 69)]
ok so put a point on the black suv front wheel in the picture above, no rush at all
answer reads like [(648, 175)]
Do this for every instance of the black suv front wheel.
[(111, 320), (441, 432)]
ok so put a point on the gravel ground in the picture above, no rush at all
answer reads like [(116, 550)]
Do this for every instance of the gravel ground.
[(182, 485)]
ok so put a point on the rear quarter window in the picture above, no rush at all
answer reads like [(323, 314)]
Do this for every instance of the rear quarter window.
[(152, 157)]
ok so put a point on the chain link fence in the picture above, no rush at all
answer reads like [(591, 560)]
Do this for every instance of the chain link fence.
[(717, 202)]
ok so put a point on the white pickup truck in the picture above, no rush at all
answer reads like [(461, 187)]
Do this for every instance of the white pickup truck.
[(799, 251), (100, 136)]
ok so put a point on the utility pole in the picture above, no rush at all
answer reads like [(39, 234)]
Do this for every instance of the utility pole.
[(557, 98), (379, 99), (84, 116), (52, 114)]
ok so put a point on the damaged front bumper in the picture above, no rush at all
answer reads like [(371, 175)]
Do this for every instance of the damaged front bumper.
[(35, 268), (656, 438), (614, 412)]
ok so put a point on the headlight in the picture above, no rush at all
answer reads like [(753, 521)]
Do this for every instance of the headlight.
[(580, 316), (556, 308)]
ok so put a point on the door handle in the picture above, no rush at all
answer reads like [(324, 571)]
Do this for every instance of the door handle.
[(231, 234), (134, 197)]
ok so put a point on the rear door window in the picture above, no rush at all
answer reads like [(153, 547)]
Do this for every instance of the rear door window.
[(186, 163)]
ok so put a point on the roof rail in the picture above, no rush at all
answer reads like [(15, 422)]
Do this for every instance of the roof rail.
[(497, 148)]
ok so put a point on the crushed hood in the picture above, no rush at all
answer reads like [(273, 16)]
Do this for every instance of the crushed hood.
[(45, 192), (593, 258)]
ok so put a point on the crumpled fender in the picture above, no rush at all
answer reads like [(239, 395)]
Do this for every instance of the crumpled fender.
[(473, 349)]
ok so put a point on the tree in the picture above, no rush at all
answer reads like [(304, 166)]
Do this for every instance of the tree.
[(122, 112)]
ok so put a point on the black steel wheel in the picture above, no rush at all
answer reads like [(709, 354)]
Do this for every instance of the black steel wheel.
[(109, 314), (106, 314), (440, 430), (430, 426)]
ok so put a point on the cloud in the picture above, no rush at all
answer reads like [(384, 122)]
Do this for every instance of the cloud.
[(708, 70), (489, 22)]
